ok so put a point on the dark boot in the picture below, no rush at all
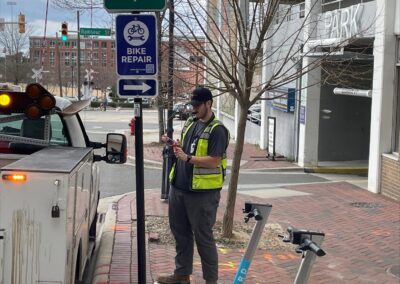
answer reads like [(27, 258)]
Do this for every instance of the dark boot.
[(174, 279)]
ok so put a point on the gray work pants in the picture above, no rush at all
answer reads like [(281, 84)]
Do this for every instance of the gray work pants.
[(193, 214)]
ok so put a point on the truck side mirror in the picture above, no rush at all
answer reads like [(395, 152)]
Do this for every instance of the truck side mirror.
[(116, 149)]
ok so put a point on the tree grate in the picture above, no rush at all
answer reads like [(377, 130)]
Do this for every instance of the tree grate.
[(368, 205)]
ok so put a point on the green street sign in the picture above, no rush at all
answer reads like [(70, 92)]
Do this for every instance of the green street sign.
[(94, 32), (116, 6)]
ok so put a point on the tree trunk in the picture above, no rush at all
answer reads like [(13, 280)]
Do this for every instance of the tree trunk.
[(161, 124), (229, 214)]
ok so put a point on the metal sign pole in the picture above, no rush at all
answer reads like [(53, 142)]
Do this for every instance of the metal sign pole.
[(140, 231)]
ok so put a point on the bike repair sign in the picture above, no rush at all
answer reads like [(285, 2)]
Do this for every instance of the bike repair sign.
[(136, 44)]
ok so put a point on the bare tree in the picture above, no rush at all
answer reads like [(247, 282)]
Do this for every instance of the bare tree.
[(242, 38), (15, 45)]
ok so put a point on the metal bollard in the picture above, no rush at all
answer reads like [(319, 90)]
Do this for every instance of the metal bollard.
[(168, 160)]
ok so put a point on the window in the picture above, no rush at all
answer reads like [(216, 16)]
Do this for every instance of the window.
[(73, 58), (66, 44), (95, 44), (74, 44), (36, 43), (17, 131), (103, 44), (113, 44), (36, 54), (104, 59), (89, 44), (52, 43), (58, 134), (95, 59), (83, 57), (66, 58)]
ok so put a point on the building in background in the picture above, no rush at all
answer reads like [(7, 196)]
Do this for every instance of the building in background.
[(346, 112), (96, 54)]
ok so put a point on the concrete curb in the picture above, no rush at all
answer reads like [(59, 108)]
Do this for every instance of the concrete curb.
[(337, 170), (103, 261), (281, 169)]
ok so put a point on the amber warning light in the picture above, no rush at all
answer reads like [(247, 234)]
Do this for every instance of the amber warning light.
[(14, 177), (5, 100)]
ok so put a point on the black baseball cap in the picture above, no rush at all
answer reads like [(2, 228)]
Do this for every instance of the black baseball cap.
[(200, 95)]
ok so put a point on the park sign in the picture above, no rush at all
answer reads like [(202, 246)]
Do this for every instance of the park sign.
[(118, 6), (94, 32)]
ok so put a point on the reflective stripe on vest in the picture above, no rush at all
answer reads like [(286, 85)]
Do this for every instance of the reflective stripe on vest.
[(204, 178)]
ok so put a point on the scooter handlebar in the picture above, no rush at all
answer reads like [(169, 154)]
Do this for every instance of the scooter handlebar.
[(313, 247)]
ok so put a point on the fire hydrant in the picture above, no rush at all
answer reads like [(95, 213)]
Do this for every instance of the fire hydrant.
[(132, 126)]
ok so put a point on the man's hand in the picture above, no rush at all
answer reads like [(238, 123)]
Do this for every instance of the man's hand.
[(164, 138), (180, 154)]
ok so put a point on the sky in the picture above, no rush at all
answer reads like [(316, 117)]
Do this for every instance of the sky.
[(35, 13)]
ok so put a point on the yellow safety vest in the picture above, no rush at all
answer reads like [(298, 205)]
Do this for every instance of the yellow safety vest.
[(204, 178)]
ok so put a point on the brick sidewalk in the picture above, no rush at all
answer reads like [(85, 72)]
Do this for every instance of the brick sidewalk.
[(362, 238)]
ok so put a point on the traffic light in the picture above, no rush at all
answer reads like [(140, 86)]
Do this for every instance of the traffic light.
[(21, 23), (64, 31), (34, 102)]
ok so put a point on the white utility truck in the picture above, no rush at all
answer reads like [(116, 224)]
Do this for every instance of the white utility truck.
[(49, 187)]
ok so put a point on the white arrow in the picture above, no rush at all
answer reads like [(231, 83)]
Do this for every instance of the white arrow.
[(144, 87)]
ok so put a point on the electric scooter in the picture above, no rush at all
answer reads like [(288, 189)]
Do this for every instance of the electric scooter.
[(308, 242), (260, 212)]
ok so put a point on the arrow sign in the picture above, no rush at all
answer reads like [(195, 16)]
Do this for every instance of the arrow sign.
[(143, 87), (129, 88)]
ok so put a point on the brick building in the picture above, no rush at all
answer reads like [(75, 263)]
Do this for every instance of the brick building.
[(98, 54)]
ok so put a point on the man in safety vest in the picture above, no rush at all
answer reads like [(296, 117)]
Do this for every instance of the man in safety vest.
[(196, 180)]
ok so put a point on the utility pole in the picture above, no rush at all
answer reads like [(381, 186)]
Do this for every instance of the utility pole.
[(79, 58), (170, 129), (59, 64), (168, 150), (72, 78)]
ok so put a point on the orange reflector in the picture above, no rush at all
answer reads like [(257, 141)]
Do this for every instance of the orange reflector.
[(14, 177), (5, 100), (47, 102), (33, 112), (33, 91)]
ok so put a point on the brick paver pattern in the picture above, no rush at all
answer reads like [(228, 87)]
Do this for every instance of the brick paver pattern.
[(362, 238)]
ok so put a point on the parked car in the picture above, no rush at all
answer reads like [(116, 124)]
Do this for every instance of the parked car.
[(254, 114), (146, 102), (182, 110)]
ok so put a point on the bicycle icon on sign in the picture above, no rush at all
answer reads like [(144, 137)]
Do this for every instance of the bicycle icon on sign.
[(136, 32)]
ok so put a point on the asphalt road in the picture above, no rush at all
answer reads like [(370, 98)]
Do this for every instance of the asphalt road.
[(119, 179)]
